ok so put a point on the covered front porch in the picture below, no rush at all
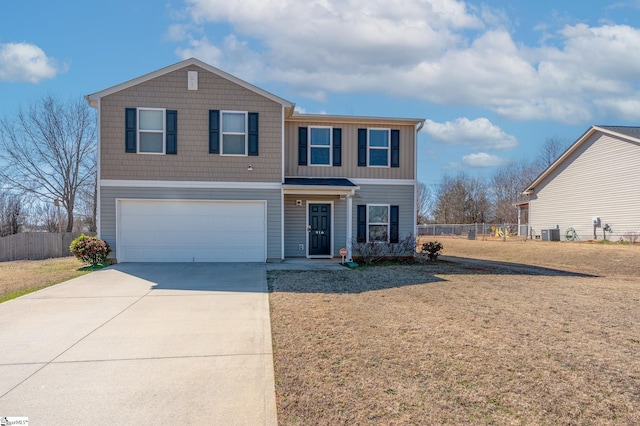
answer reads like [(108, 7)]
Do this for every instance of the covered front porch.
[(318, 217)]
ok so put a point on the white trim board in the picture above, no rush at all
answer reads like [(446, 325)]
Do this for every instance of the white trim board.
[(383, 181), (188, 184)]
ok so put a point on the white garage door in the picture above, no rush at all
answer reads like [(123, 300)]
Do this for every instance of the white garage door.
[(191, 231)]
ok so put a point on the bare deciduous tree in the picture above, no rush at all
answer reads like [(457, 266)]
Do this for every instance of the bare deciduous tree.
[(45, 217), (424, 203), (49, 151), (507, 184), (552, 149), (11, 214), (463, 199)]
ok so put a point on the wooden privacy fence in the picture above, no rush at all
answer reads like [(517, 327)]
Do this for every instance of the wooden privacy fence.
[(36, 245)]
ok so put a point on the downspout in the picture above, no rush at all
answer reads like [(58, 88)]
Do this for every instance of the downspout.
[(419, 127), (282, 190), (97, 105)]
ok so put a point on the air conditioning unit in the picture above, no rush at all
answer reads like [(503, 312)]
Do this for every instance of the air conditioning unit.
[(551, 234)]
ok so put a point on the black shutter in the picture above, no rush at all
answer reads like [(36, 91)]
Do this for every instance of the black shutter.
[(393, 224), (302, 146), (362, 147), (362, 223), (214, 132), (253, 133), (395, 148), (172, 132), (337, 147), (130, 130)]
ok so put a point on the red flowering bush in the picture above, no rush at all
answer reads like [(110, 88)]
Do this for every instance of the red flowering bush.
[(90, 250)]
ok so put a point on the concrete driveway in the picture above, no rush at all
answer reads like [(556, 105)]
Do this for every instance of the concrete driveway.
[(185, 343)]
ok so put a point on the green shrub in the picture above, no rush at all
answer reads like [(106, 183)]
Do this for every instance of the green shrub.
[(90, 250), (376, 251), (432, 249)]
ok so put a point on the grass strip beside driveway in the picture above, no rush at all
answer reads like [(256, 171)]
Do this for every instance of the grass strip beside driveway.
[(21, 277)]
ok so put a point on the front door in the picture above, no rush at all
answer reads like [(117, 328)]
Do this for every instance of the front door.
[(319, 229)]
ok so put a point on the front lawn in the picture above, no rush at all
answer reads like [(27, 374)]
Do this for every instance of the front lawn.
[(462, 342)]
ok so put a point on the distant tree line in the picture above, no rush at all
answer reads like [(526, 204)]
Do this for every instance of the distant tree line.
[(468, 199), (48, 168)]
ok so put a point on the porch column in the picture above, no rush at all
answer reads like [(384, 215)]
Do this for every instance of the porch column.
[(349, 226), (519, 214)]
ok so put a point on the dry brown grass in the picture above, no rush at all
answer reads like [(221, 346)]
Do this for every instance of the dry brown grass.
[(463, 342), (19, 277)]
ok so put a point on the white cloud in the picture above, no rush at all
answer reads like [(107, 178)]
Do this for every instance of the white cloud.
[(25, 62), (621, 108), (232, 56), (478, 133), (201, 49), (441, 51), (481, 160), (178, 32)]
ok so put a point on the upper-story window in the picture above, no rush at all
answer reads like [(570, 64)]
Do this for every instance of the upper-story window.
[(151, 131), (320, 146), (378, 147), (151, 128), (233, 133)]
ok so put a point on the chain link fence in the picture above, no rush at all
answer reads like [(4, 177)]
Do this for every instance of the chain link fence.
[(473, 231)]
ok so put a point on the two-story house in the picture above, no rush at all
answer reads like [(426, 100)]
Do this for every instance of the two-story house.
[(196, 165)]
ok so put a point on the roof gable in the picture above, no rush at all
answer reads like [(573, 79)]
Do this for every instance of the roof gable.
[(93, 98), (629, 133)]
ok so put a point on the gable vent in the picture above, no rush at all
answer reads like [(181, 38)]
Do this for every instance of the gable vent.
[(192, 80)]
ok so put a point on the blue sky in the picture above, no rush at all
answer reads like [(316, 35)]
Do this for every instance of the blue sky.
[(494, 78)]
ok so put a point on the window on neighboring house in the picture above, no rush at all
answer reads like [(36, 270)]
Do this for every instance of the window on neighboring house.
[(151, 130), (378, 148), (320, 146), (234, 133), (378, 222)]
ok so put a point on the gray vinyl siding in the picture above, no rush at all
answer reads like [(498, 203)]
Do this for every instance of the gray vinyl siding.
[(395, 195), (600, 178), (350, 153), (295, 223), (108, 196)]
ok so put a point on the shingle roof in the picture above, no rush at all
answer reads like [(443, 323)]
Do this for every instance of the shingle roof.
[(631, 131), (319, 182)]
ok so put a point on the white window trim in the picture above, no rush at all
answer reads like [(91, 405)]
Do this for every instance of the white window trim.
[(163, 131), (329, 147), (388, 148), (246, 133), (388, 223)]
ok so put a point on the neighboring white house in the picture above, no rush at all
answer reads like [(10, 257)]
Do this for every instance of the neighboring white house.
[(597, 179)]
